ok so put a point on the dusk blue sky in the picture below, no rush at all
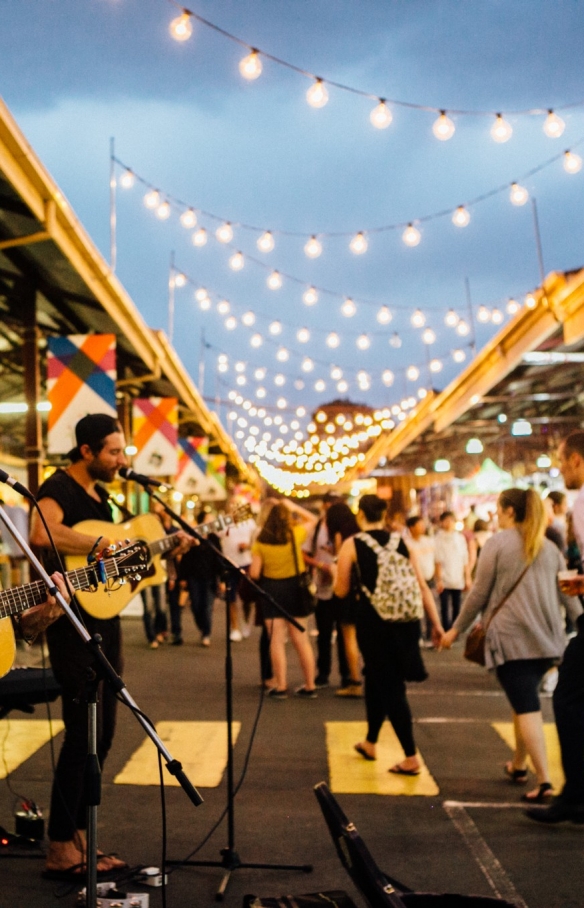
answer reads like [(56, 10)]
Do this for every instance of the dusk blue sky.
[(77, 72)]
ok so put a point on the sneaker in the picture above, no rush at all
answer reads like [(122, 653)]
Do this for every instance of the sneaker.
[(245, 631), (205, 641), (275, 694), (236, 636), (306, 694), (351, 690), (321, 682)]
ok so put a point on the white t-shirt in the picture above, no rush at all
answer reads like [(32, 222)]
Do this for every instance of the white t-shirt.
[(240, 534), (452, 555), (323, 551), (425, 552)]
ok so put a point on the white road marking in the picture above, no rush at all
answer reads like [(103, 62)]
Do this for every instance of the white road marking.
[(486, 860)]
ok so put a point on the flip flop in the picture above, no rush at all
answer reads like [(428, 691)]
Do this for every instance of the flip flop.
[(361, 750), (400, 771)]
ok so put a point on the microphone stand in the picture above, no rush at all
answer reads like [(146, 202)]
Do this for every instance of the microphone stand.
[(230, 859), (103, 669)]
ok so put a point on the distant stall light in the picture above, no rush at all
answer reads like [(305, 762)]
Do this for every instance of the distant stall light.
[(441, 465), (543, 462), (521, 427), (474, 446)]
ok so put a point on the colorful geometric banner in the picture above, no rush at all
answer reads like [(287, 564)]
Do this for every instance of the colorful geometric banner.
[(193, 476), (216, 468), (155, 422), (81, 379)]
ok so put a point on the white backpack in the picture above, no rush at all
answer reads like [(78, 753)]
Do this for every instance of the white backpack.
[(397, 595)]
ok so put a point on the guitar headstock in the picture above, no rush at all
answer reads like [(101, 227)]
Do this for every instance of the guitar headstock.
[(130, 561)]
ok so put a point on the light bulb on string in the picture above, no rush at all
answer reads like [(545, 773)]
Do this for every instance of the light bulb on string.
[(428, 336), (310, 296), (240, 367), (496, 316), (518, 195), (181, 28), (205, 303), (553, 125), (418, 319), (530, 301), (501, 130), (188, 218), (163, 211), (275, 328), (236, 261), (224, 233), (451, 318), (336, 373), (463, 328), (384, 316), (265, 242), (180, 279), (248, 318), (231, 323), (513, 307), (363, 342), (282, 355), (333, 340), (443, 128), (572, 162), (461, 217), (458, 356), (201, 294), (127, 179), (303, 335), (199, 237), (358, 244), (411, 235), (279, 380), (436, 365), (260, 373), (395, 341), (260, 393), (223, 307), (250, 67), (313, 248), (152, 199), (387, 377), (412, 373), (274, 280), (317, 95), (342, 386), (348, 308), (256, 340), (381, 116), (320, 385), (483, 314), (307, 364)]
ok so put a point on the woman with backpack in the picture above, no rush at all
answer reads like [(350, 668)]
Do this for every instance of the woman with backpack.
[(393, 596)]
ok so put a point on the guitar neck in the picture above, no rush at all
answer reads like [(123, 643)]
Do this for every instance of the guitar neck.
[(162, 546), (20, 598)]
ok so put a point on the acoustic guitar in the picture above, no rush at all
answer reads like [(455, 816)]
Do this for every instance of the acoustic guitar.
[(129, 562), (110, 600)]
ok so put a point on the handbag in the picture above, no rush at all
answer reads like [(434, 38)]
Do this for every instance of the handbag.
[(475, 644), (306, 587)]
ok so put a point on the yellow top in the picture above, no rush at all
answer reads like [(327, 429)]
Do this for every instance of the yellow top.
[(278, 560)]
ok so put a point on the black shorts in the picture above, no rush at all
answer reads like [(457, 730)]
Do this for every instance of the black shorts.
[(520, 679), (286, 592)]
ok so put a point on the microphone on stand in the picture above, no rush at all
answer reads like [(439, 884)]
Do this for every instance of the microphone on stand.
[(127, 473), (17, 486)]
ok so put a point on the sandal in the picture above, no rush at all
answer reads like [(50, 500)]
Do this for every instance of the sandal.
[(541, 796), (518, 776)]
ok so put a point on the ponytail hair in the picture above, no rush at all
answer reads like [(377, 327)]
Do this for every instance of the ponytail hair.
[(529, 516)]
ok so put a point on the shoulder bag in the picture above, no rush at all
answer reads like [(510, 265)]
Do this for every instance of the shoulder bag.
[(475, 645), (306, 588)]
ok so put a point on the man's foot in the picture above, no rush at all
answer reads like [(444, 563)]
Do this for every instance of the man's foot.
[(69, 858), (558, 812)]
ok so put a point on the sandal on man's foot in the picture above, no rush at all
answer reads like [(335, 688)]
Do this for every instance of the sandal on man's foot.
[(518, 776), (540, 796)]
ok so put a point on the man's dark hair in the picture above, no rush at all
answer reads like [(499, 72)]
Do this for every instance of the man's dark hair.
[(446, 514), (92, 430), (412, 521), (574, 443), (372, 507), (557, 497)]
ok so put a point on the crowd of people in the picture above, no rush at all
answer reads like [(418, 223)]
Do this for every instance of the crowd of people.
[(384, 588)]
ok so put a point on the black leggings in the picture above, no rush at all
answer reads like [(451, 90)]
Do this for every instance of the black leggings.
[(385, 698), (520, 679)]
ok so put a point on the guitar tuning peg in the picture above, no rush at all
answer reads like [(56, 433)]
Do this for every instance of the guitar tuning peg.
[(126, 542), (112, 547)]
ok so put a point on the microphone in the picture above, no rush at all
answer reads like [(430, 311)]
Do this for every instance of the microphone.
[(17, 486), (127, 473)]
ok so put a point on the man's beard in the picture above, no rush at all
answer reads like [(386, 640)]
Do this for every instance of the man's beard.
[(98, 471)]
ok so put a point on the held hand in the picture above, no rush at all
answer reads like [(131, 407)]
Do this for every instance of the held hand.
[(438, 636), (448, 638)]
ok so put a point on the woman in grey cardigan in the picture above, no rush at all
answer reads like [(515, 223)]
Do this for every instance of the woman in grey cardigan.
[(526, 636)]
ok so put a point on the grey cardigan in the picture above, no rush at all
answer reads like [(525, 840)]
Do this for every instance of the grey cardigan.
[(530, 625)]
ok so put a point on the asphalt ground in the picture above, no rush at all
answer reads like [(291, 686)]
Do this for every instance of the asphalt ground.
[(471, 838)]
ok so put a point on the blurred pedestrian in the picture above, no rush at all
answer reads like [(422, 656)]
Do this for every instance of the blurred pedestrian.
[(452, 568)]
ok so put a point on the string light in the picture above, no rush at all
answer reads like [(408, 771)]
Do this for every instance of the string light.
[(236, 261), (127, 179), (266, 242), (530, 301), (381, 116), (199, 238), (518, 195), (496, 316), (428, 336), (463, 328), (307, 364), (333, 340), (223, 307), (572, 162), (436, 365), (256, 340), (363, 342), (553, 125), (443, 128), (358, 244), (317, 95), (163, 211), (248, 318), (201, 294), (250, 67), (513, 307), (483, 315), (336, 373), (279, 380), (411, 235), (310, 297), (395, 341), (501, 130), (458, 356), (274, 280), (205, 303), (348, 308), (412, 373), (387, 377), (260, 373), (461, 217), (275, 328), (418, 319), (181, 28), (303, 335), (152, 198), (313, 248), (282, 355), (188, 219), (231, 323), (224, 233), (384, 316), (451, 319)]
